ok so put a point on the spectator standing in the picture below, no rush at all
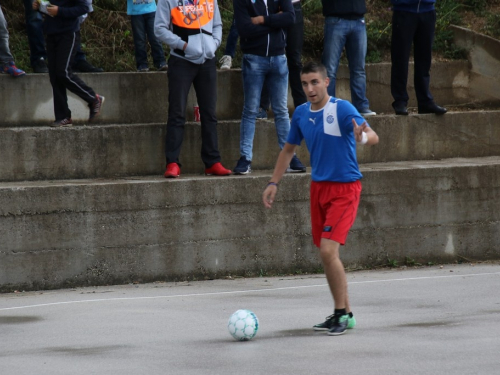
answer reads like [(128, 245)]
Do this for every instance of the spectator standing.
[(62, 28), (142, 17), (413, 22), (293, 49), (261, 26), (7, 64), (345, 27), (36, 41), (193, 30)]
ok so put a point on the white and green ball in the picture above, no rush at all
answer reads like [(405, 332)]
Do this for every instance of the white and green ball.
[(243, 325)]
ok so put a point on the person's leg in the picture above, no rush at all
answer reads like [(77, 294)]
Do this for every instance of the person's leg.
[(156, 47), (264, 97), (61, 109), (335, 273), (232, 40), (66, 50), (5, 54), (277, 81), (254, 70), (422, 42), (139, 34), (356, 44), (205, 85), (294, 43), (335, 37), (403, 30), (181, 74), (34, 22)]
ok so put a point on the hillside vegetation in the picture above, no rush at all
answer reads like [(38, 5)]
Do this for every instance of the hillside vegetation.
[(107, 35)]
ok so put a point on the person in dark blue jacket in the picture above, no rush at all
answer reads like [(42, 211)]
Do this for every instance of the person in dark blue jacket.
[(261, 25), (413, 21), (61, 26)]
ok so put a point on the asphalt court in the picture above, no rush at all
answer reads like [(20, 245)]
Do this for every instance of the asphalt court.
[(415, 321)]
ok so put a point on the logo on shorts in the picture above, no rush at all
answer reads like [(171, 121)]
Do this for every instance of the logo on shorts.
[(327, 229), (330, 119)]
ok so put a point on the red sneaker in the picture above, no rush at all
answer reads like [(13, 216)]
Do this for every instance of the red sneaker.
[(217, 170), (173, 170)]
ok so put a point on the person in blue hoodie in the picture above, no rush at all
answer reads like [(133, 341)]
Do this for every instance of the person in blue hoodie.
[(413, 22), (61, 26), (262, 27)]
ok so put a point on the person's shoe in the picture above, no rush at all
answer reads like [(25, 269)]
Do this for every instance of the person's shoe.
[(163, 67), (217, 170), (64, 123), (400, 109), (432, 108), (226, 62), (328, 323), (84, 66), (143, 68), (13, 70), (262, 114), (243, 166), (96, 107), (40, 66), (173, 170), (339, 325), (296, 166), (367, 112)]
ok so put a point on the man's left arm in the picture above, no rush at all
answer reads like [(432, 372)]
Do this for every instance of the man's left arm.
[(217, 25), (80, 8), (363, 134), (280, 20)]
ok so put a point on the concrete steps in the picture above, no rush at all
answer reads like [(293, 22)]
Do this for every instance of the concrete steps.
[(92, 232), (106, 151)]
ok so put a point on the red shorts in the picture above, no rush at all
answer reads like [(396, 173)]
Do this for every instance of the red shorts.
[(333, 209)]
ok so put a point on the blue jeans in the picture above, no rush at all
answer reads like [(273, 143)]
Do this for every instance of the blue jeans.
[(351, 34), (143, 27), (256, 70), (34, 24)]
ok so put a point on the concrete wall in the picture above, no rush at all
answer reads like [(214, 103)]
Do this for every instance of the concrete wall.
[(62, 234), (143, 97), (484, 58), (106, 151)]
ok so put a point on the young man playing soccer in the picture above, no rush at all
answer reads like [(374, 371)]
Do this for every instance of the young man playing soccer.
[(331, 131)]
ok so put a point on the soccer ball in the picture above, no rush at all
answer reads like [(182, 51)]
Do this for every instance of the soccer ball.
[(243, 325)]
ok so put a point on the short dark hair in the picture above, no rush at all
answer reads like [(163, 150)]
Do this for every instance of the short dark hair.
[(314, 67)]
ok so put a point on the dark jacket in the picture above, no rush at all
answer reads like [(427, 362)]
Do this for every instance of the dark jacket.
[(350, 9), (414, 6), (268, 39), (67, 19)]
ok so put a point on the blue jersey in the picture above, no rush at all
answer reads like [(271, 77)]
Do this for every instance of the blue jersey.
[(329, 137), (138, 7)]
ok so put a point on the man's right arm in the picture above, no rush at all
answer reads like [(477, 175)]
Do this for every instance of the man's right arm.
[(243, 20), (162, 26)]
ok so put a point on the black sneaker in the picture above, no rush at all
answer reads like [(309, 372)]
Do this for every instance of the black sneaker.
[(328, 323), (95, 108), (296, 166), (64, 123), (339, 325), (40, 66), (243, 166), (84, 66)]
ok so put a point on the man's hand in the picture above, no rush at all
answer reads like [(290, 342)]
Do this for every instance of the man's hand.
[(259, 20), (35, 5), (52, 10), (268, 195), (358, 130)]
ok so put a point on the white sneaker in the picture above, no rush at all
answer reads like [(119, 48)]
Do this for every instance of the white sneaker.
[(367, 112), (226, 62)]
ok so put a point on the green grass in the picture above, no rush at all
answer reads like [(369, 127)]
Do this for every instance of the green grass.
[(107, 36)]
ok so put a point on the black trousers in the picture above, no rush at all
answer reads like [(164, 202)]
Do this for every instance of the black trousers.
[(408, 28), (61, 50), (181, 74), (294, 43)]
